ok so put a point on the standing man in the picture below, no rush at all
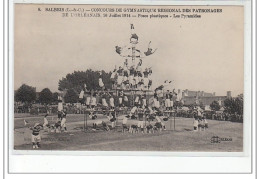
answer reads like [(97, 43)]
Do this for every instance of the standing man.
[(88, 98), (113, 78), (104, 101), (120, 76), (111, 101), (137, 101), (100, 81), (143, 97), (126, 101), (93, 102), (167, 100), (140, 124), (60, 107), (120, 99), (171, 101), (156, 102), (63, 121), (146, 79), (131, 77)]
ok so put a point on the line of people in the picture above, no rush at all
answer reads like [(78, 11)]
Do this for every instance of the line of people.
[(109, 100), (131, 77), (143, 124)]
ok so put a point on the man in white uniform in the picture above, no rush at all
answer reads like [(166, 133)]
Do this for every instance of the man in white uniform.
[(100, 81)]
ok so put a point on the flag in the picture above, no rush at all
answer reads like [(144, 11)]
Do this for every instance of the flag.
[(149, 50), (118, 50)]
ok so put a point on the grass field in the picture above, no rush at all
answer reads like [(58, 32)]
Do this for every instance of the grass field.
[(183, 138)]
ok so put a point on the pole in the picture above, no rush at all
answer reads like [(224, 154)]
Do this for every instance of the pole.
[(171, 125), (115, 121), (144, 118), (174, 121), (84, 117), (86, 121), (132, 97)]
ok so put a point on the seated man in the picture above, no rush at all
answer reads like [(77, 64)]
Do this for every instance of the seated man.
[(101, 124), (149, 128), (195, 124), (57, 127)]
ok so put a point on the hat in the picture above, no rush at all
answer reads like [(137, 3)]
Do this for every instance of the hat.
[(134, 36)]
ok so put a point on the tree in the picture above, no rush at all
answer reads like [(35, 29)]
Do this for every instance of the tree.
[(71, 96), (239, 101), (234, 105), (55, 97), (45, 96), (77, 79), (215, 106), (26, 94)]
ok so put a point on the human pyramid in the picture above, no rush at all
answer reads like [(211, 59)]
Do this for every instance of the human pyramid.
[(130, 81), (141, 109)]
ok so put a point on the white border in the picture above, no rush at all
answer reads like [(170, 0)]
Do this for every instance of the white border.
[(221, 164)]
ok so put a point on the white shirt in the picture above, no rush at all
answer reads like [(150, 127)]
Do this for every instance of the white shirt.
[(60, 107), (158, 119), (113, 75), (125, 120), (81, 94), (133, 109)]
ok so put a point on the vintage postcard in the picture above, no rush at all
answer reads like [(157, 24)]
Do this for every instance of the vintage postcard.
[(128, 78)]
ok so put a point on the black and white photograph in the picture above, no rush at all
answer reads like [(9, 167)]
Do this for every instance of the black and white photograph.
[(128, 78)]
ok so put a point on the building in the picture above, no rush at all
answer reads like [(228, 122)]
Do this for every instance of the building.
[(201, 97)]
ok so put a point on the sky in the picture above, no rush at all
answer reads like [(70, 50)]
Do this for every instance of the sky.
[(203, 54)]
